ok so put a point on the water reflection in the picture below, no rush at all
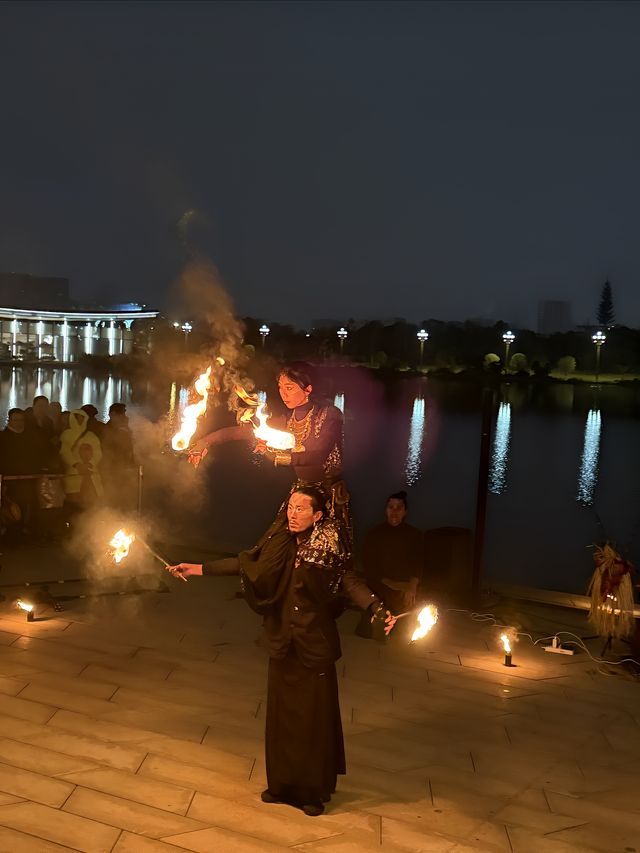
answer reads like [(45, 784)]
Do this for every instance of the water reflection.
[(414, 448), (339, 402), (500, 455), (63, 394), (19, 385), (588, 474)]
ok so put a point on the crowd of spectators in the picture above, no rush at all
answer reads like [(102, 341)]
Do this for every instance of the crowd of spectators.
[(56, 463)]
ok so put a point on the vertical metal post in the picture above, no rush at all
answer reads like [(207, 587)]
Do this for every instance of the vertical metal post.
[(488, 398), (140, 476)]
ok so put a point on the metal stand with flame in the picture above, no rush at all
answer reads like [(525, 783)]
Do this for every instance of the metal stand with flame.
[(28, 608), (506, 643)]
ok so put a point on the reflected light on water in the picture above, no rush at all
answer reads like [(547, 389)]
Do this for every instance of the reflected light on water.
[(13, 390), (414, 448), (500, 455), (588, 474), (87, 390), (338, 402), (63, 395)]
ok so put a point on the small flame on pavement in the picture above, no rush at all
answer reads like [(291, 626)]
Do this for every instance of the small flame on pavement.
[(506, 643), (120, 544), (24, 605), (427, 618), (190, 415), (277, 439)]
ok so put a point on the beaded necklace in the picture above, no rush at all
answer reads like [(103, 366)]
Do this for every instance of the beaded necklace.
[(301, 429)]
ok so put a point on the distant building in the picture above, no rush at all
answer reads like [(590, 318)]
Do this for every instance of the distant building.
[(554, 316), (39, 323)]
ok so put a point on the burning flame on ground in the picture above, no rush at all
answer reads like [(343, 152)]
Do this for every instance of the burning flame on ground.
[(120, 544), (277, 439), (506, 643), (427, 618), (182, 438), (23, 605)]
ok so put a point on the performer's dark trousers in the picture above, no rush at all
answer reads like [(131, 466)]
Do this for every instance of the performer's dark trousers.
[(304, 744)]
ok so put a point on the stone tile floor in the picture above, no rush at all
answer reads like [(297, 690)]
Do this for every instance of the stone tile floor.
[(134, 724)]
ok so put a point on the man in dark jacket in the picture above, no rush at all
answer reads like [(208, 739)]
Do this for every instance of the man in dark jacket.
[(21, 453), (291, 577), (393, 556)]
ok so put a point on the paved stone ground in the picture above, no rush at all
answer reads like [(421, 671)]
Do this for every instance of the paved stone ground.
[(134, 724)]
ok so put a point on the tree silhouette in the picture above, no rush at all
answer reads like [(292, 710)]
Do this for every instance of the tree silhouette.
[(606, 314)]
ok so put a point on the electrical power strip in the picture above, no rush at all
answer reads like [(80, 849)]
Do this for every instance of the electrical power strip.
[(558, 648)]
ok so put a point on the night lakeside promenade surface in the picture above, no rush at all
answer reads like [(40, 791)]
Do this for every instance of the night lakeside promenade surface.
[(134, 724)]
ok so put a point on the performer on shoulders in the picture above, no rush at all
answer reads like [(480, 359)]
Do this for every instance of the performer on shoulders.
[(316, 459)]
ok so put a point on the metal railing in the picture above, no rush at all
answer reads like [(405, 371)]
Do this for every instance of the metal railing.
[(5, 478)]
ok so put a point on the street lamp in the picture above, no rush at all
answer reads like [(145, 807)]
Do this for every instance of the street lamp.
[(342, 337), (264, 331), (186, 328), (598, 339), (423, 337), (508, 339)]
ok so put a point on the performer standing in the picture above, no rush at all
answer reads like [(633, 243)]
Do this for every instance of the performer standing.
[(291, 577)]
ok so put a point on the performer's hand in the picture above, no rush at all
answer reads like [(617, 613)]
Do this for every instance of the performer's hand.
[(185, 570), (196, 456), (202, 444), (389, 622)]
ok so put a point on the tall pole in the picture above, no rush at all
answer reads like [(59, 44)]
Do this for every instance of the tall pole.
[(423, 337), (508, 339), (598, 340), (342, 336)]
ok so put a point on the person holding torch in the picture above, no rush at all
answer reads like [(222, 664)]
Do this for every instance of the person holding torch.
[(291, 578), (317, 444)]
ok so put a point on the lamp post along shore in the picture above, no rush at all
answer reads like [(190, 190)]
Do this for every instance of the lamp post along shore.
[(342, 337), (508, 338), (264, 332), (598, 339), (422, 337)]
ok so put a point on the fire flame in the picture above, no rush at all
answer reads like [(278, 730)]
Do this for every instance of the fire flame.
[(181, 439), (506, 643), (23, 605), (427, 618), (277, 439), (120, 544)]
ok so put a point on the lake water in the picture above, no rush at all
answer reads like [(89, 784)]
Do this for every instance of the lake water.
[(562, 457)]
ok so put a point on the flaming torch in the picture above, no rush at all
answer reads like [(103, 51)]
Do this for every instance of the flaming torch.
[(507, 649), (120, 544), (427, 618), (275, 439), (189, 424)]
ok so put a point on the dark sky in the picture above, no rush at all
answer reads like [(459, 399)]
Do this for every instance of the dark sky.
[(344, 159)]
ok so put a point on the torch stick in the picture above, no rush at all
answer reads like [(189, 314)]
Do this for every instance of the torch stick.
[(158, 557)]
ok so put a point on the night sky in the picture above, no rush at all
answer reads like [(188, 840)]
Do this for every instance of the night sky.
[(343, 159)]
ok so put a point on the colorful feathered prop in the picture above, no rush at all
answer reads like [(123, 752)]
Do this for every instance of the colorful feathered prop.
[(611, 592)]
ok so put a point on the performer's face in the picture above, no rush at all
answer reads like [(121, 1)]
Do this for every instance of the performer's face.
[(300, 513), (396, 511), (292, 394)]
